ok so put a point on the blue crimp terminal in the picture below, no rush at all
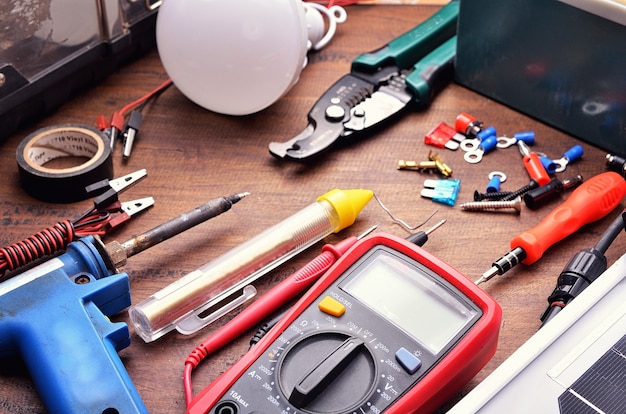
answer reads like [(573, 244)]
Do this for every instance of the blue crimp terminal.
[(494, 184), (574, 153), (442, 191), (527, 136), (548, 164), (486, 133)]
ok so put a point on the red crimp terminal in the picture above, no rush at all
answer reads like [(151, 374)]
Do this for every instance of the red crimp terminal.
[(102, 123)]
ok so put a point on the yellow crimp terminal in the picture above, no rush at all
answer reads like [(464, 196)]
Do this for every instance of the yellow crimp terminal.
[(347, 203)]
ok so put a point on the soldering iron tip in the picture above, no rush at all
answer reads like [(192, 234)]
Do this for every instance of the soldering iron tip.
[(237, 197)]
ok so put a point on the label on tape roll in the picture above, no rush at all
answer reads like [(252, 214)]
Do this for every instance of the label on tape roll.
[(63, 185)]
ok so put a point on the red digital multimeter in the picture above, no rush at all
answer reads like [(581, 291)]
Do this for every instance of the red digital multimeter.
[(389, 328)]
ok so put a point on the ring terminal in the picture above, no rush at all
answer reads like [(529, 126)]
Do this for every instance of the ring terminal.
[(472, 144), (495, 179), (572, 154), (528, 137), (486, 145)]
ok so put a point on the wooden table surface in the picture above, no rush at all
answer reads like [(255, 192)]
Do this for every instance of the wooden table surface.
[(193, 155)]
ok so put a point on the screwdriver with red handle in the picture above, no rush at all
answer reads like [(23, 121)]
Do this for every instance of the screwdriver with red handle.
[(591, 201)]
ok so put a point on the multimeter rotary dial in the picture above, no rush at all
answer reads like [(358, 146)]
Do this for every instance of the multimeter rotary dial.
[(327, 372)]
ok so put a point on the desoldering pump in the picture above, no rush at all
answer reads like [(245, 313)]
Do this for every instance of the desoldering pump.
[(55, 315)]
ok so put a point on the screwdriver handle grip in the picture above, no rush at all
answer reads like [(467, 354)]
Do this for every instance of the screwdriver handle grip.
[(591, 201)]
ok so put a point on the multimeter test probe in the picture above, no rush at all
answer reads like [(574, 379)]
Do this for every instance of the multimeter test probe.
[(360, 341), (589, 202)]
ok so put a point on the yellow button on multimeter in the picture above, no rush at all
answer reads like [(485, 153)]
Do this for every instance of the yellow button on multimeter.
[(388, 329), (331, 306)]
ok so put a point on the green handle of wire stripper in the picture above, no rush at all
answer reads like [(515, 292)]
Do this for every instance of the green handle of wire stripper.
[(431, 74), (409, 48)]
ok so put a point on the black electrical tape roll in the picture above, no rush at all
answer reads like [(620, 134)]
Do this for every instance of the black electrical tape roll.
[(63, 185)]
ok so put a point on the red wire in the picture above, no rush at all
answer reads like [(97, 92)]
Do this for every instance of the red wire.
[(187, 383), (43, 243), (144, 98), (52, 240), (117, 118)]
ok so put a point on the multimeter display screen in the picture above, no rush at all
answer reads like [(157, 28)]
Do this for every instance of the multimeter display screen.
[(410, 298)]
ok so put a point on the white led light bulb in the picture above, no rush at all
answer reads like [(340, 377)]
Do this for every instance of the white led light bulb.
[(233, 57), (237, 57)]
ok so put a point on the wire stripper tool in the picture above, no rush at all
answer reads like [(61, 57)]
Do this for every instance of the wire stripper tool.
[(410, 69)]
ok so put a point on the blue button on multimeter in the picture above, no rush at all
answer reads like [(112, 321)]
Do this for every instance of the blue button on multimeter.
[(409, 362)]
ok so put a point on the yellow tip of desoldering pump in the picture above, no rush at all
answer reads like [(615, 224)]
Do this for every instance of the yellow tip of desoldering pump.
[(347, 203)]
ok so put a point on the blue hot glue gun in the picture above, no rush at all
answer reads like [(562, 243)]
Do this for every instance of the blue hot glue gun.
[(56, 316)]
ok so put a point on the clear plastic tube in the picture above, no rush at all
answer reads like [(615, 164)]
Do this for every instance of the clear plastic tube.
[(181, 304)]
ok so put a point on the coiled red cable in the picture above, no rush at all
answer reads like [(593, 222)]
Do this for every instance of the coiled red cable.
[(53, 239), (41, 244)]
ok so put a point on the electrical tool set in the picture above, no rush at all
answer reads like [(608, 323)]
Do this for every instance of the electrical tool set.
[(348, 344)]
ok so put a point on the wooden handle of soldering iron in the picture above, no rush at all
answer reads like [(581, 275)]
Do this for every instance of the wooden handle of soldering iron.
[(591, 201)]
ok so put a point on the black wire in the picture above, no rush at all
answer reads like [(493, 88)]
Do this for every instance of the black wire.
[(263, 330), (611, 233)]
